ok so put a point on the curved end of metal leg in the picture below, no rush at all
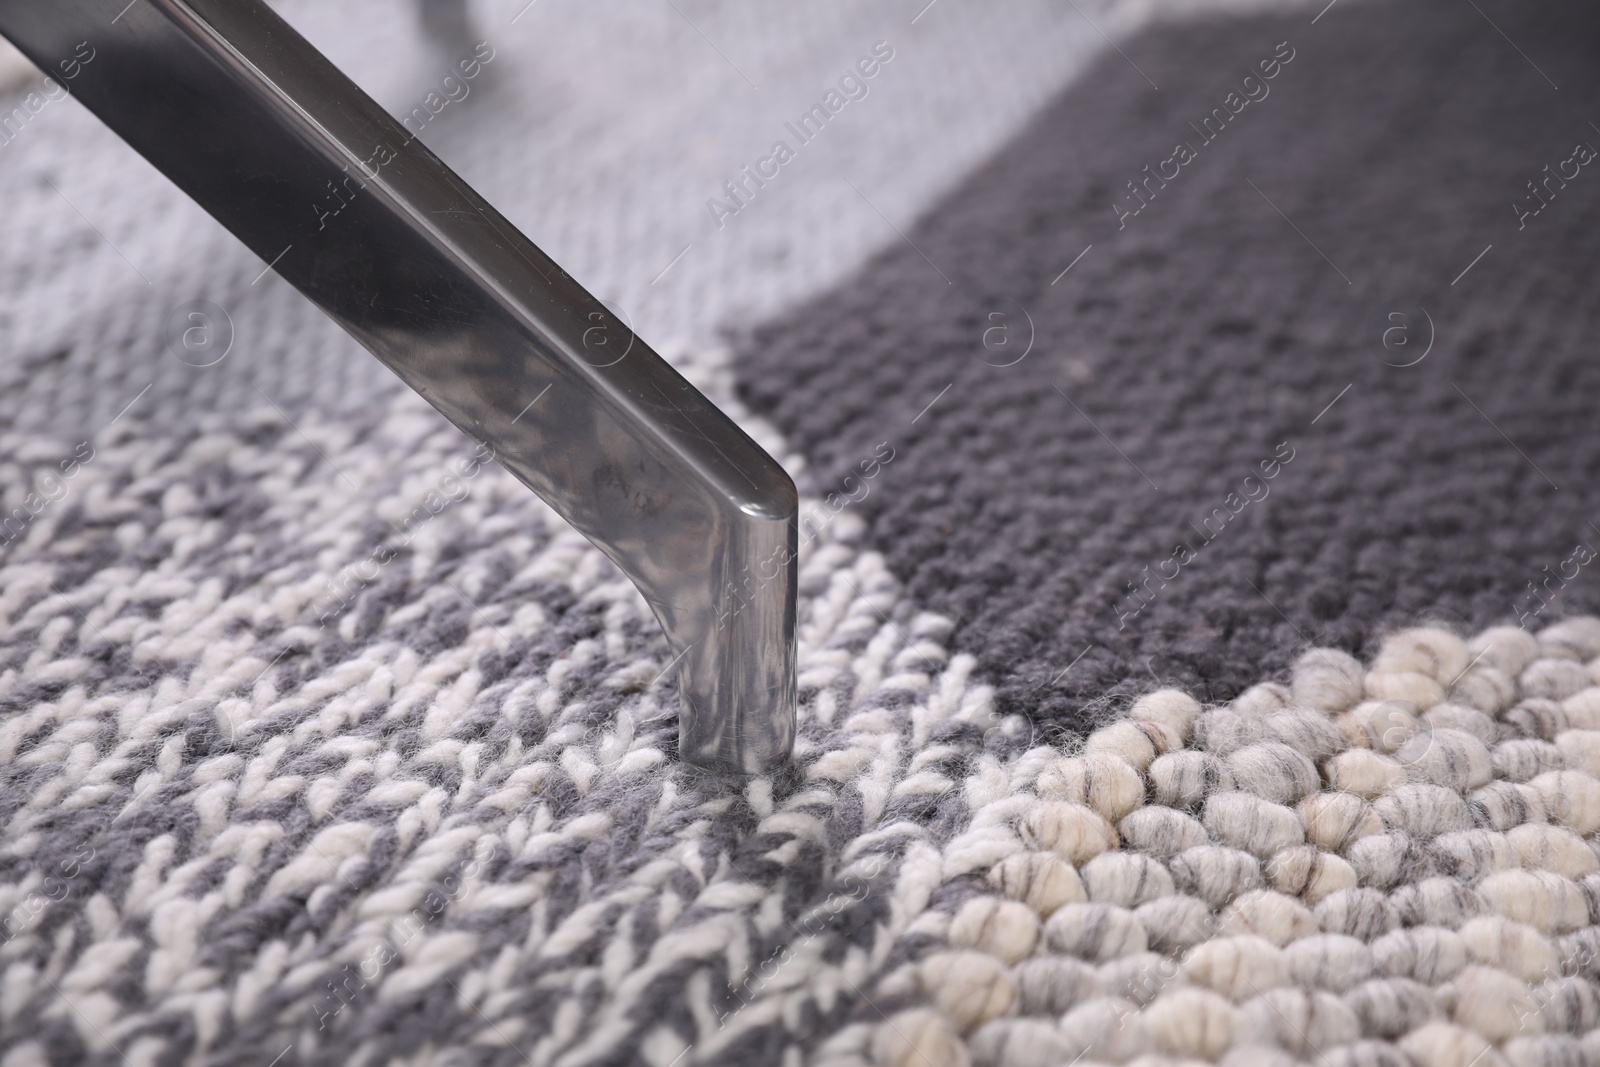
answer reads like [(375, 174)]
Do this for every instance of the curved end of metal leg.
[(737, 684)]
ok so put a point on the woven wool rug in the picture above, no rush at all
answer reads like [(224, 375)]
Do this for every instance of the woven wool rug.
[(1329, 792)]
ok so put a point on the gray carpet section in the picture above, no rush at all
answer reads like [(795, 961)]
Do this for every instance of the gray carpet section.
[(1160, 487)]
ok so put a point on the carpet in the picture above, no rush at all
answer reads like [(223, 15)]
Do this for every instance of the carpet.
[(1328, 792)]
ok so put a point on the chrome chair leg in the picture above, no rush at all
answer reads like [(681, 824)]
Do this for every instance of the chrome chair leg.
[(286, 152)]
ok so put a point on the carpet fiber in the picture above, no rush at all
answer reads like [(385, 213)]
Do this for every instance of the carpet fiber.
[(268, 801)]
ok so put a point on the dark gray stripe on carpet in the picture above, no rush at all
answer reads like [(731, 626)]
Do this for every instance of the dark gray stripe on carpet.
[(1210, 332)]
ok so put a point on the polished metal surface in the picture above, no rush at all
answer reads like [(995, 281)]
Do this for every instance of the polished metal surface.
[(303, 167)]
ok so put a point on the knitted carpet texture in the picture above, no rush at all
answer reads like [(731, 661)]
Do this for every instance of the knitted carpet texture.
[(442, 823), (264, 796), (269, 801)]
